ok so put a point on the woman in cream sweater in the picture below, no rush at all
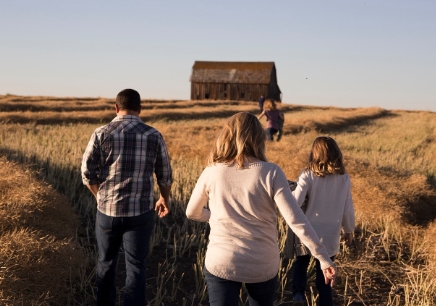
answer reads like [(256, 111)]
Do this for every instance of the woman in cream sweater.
[(242, 190)]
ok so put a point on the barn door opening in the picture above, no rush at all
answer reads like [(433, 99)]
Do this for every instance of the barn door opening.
[(223, 91), (207, 91)]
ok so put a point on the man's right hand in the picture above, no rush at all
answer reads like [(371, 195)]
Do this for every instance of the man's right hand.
[(163, 205)]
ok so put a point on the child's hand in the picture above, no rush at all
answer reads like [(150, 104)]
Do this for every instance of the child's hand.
[(348, 237)]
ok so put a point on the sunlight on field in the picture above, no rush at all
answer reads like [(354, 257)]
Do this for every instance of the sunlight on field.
[(390, 155)]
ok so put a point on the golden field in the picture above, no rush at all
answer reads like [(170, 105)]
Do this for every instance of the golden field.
[(47, 250)]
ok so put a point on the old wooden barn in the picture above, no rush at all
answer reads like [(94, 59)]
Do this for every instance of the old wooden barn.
[(234, 81)]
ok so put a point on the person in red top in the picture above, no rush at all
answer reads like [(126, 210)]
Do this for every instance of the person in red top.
[(273, 115)]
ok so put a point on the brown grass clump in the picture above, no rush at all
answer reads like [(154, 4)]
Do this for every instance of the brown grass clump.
[(40, 261)]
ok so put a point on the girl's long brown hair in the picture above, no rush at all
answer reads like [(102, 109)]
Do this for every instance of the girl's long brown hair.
[(270, 105), (241, 137), (325, 157)]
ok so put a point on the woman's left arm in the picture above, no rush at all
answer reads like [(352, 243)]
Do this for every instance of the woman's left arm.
[(196, 207)]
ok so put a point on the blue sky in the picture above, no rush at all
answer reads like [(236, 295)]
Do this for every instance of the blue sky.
[(327, 53)]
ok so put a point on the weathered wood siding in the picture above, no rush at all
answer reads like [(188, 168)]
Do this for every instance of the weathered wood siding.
[(219, 91), (273, 89)]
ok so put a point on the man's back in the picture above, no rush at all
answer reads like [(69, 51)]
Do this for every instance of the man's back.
[(123, 156)]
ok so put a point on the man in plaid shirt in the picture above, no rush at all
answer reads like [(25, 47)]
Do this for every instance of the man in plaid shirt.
[(118, 167)]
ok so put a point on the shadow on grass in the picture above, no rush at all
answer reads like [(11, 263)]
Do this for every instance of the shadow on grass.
[(65, 180), (74, 105), (350, 124), (107, 117), (421, 211), (412, 193)]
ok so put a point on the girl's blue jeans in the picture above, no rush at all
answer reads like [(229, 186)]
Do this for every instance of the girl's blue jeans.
[(270, 132), (299, 280)]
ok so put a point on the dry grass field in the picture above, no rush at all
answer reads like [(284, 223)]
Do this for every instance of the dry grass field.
[(47, 249)]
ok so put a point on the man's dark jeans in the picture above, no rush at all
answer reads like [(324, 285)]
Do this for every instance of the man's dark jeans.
[(134, 233), (299, 280), (223, 292)]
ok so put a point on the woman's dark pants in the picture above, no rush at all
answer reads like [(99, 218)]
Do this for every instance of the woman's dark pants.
[(223, 292)]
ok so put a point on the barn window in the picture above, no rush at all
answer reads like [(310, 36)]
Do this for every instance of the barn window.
[(206, 96)]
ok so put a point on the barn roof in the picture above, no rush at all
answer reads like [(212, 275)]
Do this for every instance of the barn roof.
[(232, 72)]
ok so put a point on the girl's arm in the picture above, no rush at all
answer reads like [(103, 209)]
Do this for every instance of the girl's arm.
[(261, 115), (302, 187), (348, 218)]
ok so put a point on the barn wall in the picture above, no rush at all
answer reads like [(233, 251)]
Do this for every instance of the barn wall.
[(225, 91), (273, 92), (273, 88)]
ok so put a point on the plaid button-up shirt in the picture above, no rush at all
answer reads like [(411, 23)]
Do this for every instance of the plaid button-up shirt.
[(121, 158)]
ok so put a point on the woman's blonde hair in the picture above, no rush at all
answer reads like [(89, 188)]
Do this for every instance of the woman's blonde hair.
[(242, 136), (270, 105), (325, 157)]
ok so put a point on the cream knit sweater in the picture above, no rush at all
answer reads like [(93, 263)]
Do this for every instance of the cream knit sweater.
[(243, 220), (329, 208)]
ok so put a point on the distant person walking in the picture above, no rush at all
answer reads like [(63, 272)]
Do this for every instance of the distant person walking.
[(273, 116), (243, 192), (281, 124), (118, 167), (261, 101), (329, 208)]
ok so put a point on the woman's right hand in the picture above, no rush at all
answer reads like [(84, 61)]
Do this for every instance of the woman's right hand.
[(330, 275)]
